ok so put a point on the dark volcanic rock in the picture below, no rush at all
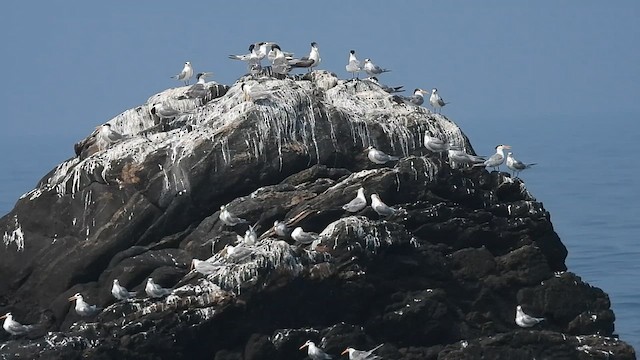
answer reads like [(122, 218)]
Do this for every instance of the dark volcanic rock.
[(439, 279)]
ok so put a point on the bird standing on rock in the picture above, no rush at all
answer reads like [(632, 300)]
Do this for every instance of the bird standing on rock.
[(119, 292), (228, 218), (495, 160), (524, 320), (361, 354), (82, 307), (372, 69), (154, 290), (378, 157), (186, 73), (516, 165), (310, 61), (381, 208), (13, 327), (353, 66), (314, 352), (436, 101), (358, 203)]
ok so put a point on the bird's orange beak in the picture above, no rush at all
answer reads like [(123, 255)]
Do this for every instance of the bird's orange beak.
[(345, 351), (303, 346), (72, 298), (3, 316)]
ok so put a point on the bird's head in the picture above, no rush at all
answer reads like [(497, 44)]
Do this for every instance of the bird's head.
[(347, 350), (7, 316), (309, 342), (77, 296), (314, 44), (188, 63), (352, 52), (501, 146)]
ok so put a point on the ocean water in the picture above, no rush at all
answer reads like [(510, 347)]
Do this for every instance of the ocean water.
[(586, 176)]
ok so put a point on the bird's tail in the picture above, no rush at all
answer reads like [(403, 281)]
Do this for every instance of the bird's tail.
[(235, 57), (529, 165)]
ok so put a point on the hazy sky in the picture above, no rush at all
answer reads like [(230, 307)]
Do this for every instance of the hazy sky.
[(70, 66)]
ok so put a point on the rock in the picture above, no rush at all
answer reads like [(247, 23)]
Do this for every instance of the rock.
[(440, 278)]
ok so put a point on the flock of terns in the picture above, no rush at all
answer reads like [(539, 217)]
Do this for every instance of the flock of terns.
[(280, 64)]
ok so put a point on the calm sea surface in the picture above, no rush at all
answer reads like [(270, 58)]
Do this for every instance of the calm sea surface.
[(587, 177)]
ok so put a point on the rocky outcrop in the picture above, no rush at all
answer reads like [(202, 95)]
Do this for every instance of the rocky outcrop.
[(438, 279)]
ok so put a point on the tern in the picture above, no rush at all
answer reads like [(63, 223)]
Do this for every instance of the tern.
[(106, 136), (250, 236), (82, 307), (310, 61), (186, 73), (385, 88), (381, 208), (460, 157), (119, 292), (358, 203), (280, 228), (237, 253), (314, 352), (372, 69), (495, 160), (228, 218), (416, 99), (516, 165), (13, 327), (304, 237), (361, 354), (436, 101), (154, 290), (437, 145), (164, 111), (252, 58), (353, 66), (265, 47), (205, 267), (197, 90), (378, 157), (524, 320), (279, 62)]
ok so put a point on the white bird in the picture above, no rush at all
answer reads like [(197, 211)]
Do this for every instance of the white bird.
[(120, 292), (416, 99), (310, 61), (459, 157), (164, 111), (353, 66), (154, 290), (198, 90), (358, 203), (280, 228), (437, 145), (265, 49), (252, 58), (237, 253), (361, 354), (516, 165), (250, 236), (186, 73), (495, 160), (381, 208), (205, 267), (279, 62), (314, 352), (228, 218), (106, 136), (82, 307), (435, 100), (379, 157), (388, 89), (372, 69), (13, 327), (524, 320), (304, 237)]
